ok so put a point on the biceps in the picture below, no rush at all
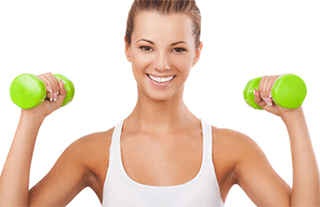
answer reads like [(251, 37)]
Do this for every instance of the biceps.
[(262, 184), (64, 181)]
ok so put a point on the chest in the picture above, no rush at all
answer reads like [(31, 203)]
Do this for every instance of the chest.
[(161, 172), (164, 161), (161, 161)]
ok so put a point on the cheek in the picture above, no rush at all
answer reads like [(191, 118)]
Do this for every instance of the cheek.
[(139, 61), (183, 62)]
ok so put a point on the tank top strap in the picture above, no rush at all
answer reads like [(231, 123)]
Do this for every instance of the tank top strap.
[(115, 148), (207, 143)]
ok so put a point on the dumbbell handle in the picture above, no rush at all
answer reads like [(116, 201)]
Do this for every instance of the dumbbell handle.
[(289, 91), (28, 91)]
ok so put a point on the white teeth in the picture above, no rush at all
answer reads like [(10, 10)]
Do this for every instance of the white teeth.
[(161, 80)]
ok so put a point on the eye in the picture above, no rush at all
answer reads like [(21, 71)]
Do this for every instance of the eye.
[(146, 48), (179, 49)]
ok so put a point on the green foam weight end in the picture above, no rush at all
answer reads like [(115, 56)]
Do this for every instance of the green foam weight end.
[(68, 85), (27, 91), (289, 91), (248, 92)]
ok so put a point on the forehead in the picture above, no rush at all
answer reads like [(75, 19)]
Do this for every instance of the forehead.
[(154, 25)]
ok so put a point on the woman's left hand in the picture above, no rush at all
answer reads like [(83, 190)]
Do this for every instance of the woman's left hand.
[(263, 96)]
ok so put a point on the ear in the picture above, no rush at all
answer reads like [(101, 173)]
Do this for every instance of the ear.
[(127, 50), (198, 53)]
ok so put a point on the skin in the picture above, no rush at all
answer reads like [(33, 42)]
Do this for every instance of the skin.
[(162, 45)]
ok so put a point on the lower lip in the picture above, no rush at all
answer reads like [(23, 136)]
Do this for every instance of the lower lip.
[(160, 85)]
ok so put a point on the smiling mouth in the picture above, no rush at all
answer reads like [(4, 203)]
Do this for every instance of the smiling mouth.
[(161, 79)]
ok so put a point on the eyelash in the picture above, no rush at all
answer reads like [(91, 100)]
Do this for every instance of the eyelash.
[(147, 48), (179, 49)]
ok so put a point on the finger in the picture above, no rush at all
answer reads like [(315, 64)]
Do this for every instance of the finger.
[(62, 93), (62, 89), (51, 85), (47, 84), (53, 82), (48, 92), (258, 99), (265, 87)]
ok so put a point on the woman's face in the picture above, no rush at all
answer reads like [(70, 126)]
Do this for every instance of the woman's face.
[(162, 53)]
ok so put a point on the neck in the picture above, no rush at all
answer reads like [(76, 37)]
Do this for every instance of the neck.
[(160, 116)]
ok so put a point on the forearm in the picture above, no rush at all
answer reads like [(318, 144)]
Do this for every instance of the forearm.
[(14, 180), (306, 181)]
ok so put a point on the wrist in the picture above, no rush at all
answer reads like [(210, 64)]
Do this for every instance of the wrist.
[(35, 118), (292, 115)]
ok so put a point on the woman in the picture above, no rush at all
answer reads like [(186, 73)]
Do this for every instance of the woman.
[(166, 156)]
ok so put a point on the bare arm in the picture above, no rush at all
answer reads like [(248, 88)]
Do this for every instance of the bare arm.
[(256, 175), (306, 181), (83, 164), (14, 180), (66, 179), (70, 174)]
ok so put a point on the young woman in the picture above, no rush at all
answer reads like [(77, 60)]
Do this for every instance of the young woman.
[(161, 154)]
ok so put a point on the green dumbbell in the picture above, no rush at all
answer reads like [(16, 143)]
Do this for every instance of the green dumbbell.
[(289, 91), (28, 91)]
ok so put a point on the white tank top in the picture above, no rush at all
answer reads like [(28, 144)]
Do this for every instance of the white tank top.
[(120, 190)]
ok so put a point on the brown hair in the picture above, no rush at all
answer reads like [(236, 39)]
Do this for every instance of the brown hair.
[(188, 7)]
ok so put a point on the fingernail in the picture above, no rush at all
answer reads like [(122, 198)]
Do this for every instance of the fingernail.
[(269, 101), (57, 90), (48, 89)]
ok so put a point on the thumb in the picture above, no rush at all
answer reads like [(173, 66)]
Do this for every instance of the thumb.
[(258, 99)]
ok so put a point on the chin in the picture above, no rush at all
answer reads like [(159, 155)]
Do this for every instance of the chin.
[(161, 98)]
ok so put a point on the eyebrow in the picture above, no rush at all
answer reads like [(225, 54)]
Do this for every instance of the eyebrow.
[(173, 44)]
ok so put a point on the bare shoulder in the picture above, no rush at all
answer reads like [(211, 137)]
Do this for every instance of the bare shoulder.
[(93, 152), (233, 143), (94, 143), (230, 148), (235, 149), (83, 164), (239, 160)]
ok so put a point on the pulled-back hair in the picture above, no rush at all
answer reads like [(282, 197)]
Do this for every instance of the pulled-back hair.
[(187, 7)]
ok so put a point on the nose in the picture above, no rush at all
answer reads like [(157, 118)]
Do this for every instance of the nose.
[(161, 62)]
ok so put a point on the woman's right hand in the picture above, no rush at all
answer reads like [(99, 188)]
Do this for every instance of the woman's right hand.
[(56, 94)]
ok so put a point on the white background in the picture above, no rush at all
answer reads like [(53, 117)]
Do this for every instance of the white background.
[(84, 41)]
